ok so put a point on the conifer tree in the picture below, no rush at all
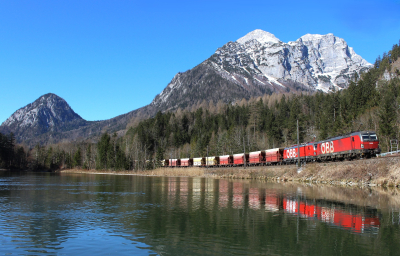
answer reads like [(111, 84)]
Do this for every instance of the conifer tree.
[(388, 117), (77, 160)]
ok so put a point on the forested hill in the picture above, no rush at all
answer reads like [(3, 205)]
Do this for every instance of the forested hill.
[(370, 103)]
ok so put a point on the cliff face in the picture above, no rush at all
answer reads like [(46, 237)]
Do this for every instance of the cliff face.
[(260, 63)]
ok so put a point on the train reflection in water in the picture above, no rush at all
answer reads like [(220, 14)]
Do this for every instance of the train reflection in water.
[(345, 216), (193, 192)]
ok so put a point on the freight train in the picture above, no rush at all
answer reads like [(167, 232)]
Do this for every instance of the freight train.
[(346, 147)]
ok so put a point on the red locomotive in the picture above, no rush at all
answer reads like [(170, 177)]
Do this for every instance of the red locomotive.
[(357, 144), (350, 146)]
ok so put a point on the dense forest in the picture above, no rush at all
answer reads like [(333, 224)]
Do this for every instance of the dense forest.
[(371, 102), (11, 156)]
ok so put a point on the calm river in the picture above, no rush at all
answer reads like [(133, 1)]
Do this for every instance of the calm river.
[(67, 214)]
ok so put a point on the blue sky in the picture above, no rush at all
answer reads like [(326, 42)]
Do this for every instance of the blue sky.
[(106, 58)]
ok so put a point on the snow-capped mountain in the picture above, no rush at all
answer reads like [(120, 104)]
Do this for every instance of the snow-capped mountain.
[(260, 63), (49, 113)]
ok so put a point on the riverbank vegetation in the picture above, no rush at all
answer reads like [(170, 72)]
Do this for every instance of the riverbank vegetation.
[(370, 103), (383, 172)]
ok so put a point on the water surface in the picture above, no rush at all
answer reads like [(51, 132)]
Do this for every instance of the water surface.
[(63, 214)]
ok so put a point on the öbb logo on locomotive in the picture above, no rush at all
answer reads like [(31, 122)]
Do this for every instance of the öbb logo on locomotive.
[(327, 147), (291, 153)]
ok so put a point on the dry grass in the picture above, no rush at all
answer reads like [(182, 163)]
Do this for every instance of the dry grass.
[(382, 172), (176, 172), (377, 171)]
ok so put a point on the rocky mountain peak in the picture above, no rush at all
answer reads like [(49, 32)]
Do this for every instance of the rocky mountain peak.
[(260, 63), (49, 109), (261, 36), (48, 113), (315, 37)]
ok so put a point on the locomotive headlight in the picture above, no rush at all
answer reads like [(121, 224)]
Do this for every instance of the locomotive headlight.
[(362, 145)]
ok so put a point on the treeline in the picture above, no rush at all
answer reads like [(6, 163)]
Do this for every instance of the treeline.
[(384, 63), (106, 154), (370, 103), (271, 121), (11, 156)]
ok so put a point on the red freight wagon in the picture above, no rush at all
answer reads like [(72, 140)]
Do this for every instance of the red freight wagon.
[(257, 158), (273, 156), (186, 162), (238, 159), (175, 162), (349, 146), (226, 160)]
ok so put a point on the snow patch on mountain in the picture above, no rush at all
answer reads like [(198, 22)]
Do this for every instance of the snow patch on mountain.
[(261, 36), (321, 62)]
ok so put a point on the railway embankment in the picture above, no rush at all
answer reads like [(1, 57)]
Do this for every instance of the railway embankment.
[(364, 172), (372, 172)]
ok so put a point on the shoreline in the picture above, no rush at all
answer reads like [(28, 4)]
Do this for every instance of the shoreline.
[(383, 172)]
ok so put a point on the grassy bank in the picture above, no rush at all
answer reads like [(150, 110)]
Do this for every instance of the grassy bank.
[(381, 172), (373, 172)]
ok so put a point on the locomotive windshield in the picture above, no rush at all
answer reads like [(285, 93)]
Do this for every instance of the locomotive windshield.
[(369, 137)]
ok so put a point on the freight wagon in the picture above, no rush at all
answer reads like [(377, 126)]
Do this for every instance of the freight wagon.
[(185, 162), (226, 160), (239, 159), (199, 161), (175, 162), (274, 156), (165, 163), (212, 161), (257, 158)]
